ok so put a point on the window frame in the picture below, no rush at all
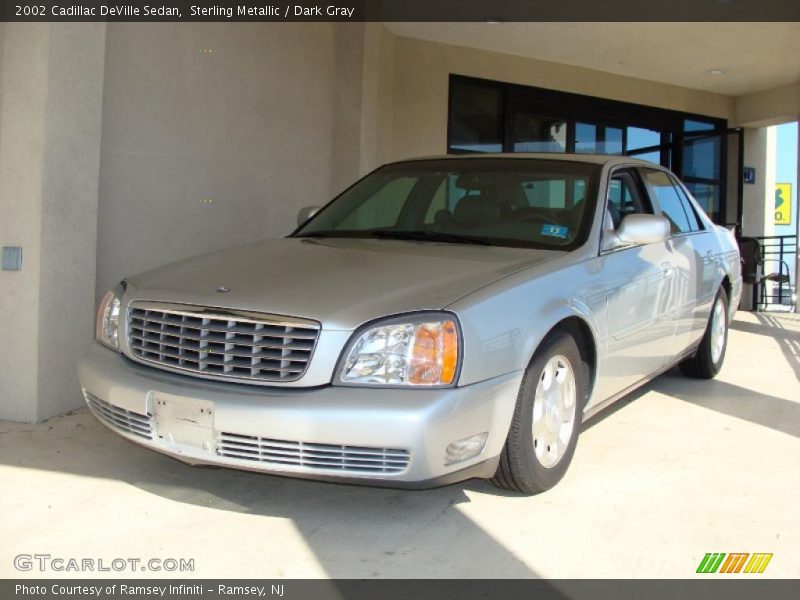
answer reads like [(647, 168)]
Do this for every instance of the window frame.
[(603, 113), (631, 174), (632, 169)]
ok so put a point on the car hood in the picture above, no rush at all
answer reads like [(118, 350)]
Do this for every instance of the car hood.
[(340, 282)]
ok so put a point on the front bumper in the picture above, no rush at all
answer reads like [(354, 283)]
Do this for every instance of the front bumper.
[(391, 437)]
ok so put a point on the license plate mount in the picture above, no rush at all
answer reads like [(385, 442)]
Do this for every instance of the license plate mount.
[(186, 421)]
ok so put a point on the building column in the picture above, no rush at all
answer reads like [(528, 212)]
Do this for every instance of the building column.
[(759, 153), (51, 91)]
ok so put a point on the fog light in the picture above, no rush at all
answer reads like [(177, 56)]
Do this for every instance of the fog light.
[(464, 449)]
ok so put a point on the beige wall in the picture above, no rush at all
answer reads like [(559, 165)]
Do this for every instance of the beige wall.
[(759, 144), (206, 150), (24, 90), (421, 87), (378, 91), (771, 107), (50, 105)]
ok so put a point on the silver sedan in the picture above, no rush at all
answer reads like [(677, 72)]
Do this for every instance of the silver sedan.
[(441, 319)]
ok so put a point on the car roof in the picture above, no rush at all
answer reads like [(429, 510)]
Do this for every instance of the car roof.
[(597, 159)]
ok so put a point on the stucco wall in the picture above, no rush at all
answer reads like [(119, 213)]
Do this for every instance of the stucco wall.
[(24, 90), (421, 84), (215, 136), (770, 107), (378, 91), (759, 149), (52, 77)]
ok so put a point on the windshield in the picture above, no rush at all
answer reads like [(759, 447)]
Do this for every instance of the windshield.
[(533, 203)]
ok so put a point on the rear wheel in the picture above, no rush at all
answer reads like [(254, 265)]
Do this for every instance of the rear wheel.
[(708, 359), (547, 419)]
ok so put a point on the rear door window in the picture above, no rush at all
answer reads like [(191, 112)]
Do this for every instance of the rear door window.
[(694, 221)]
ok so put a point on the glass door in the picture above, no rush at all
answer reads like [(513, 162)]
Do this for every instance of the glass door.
[(702, 166)]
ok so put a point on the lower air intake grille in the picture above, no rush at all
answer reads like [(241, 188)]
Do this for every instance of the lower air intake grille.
[(317, 456), (120, 418)]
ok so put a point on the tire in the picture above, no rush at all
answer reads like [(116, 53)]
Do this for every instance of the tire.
[(522, 468), (708, 359)]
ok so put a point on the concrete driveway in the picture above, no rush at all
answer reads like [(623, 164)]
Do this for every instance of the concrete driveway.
[(676, 470)]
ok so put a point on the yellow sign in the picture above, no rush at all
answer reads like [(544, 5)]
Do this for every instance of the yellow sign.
[(783, 204)]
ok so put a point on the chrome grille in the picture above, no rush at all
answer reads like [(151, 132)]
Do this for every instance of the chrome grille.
[(221, 344), (318, 456), (120, 418)]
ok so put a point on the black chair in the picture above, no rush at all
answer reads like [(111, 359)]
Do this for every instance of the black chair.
[(753, 271), (750, 250)]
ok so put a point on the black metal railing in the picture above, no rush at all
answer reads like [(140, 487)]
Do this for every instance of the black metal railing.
[(774, 277)]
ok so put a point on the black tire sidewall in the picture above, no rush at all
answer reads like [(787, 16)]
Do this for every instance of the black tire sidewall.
[(560, 344)]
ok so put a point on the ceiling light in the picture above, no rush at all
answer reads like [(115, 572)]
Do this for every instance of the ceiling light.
[(494, 22), (716, 71)]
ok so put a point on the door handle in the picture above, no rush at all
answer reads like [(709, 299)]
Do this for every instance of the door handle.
[(667, 269)]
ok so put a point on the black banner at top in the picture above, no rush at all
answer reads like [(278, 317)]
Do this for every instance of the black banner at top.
[(399, 10)]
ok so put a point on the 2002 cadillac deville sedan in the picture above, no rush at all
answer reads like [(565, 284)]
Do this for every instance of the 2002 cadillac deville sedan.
[(441, 319)]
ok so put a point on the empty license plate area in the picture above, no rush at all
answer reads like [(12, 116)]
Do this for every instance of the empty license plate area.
[(185, 421)]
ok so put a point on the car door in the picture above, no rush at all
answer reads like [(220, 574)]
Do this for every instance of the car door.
[(691, 256), (639, 283), (692, 248), (707, 257)]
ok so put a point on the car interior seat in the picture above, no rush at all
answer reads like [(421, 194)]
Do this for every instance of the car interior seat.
[(472, 211)]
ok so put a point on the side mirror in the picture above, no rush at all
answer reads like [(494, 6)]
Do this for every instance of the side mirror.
[(636, 230), (305, 213)]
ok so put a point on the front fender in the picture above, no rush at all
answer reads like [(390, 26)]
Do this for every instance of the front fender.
[(503, 324)]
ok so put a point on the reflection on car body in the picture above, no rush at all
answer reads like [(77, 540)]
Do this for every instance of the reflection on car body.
[(441, 319)]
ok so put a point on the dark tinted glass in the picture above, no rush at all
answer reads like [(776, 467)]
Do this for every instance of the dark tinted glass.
[(701, 157), (691, 126), (505, 202), (534, 133), (669, 200), (653, 156), (707, 196), (613, 143), (642, 138), (694, 221), (476, 118), (586, 138)]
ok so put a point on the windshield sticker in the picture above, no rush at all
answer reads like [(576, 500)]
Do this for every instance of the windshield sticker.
[(558, 231)]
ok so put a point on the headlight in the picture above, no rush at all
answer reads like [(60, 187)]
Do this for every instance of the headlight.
[(413, 350), (107, 324)]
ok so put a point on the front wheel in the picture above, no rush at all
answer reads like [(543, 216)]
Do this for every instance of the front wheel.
[(547, 419), (707, 361)]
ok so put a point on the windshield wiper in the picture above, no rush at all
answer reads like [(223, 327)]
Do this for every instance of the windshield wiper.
[(393, 234), (428, 236)]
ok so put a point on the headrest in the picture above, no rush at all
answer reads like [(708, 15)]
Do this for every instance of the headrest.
[(476, 210), (474, 181), (509, 194)]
